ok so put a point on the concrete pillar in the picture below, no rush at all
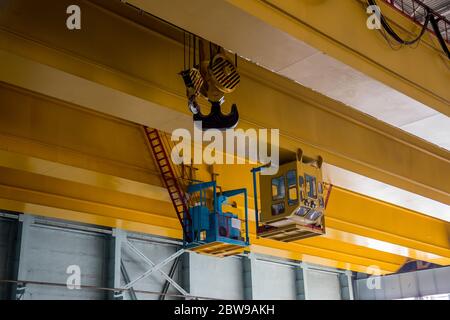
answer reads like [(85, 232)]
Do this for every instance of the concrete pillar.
[(248, 267), (300, 283), (20, 257), (351, 288), (10, 229), (114, 264), (346, 285), (185, 271), (304, 269)]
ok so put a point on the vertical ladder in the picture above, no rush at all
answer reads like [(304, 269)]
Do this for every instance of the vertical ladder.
[(171, 182)]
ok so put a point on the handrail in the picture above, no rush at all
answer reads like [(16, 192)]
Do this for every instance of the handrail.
[(419, 13)]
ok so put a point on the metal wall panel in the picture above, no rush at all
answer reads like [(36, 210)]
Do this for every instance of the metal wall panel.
[(51, 251), (322, 285), (274, 281), (392, 288), (408, 284), (220, 278)]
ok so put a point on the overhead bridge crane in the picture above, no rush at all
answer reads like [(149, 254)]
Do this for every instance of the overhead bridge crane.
[(94, 179), (293, 200), (293, 204)]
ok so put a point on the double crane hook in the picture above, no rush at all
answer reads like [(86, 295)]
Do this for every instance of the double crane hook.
[(213, 77)]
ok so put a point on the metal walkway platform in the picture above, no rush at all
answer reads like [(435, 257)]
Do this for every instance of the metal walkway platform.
[(219, 249)]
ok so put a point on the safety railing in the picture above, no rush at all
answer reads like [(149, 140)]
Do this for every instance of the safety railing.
[(417, 11), (231, 227)]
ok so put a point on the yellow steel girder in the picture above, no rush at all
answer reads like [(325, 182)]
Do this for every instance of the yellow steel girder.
[(137, 81), (62, 161), (371, 223), (78, 202), (338, 28)]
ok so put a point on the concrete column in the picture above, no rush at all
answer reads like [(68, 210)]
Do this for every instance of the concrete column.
[(346, 285), (247, 267), (304, 271), (20, 256), (185, 271), (300, 283), (351, 289), (114, 264), (9, 229)]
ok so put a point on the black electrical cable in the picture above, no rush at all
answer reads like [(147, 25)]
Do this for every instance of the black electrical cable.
[(428, 19)]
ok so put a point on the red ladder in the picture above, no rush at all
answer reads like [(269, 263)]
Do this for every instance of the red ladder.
[(171, 183)]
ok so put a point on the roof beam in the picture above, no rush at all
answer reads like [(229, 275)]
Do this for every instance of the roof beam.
[(138, 81), (88, 175), (357, 46)]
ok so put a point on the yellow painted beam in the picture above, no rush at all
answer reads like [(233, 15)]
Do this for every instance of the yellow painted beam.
[(363, 221), (26, 185), (338, 28), (81, 177), (138, 81), (47, 196), (52, 211), (61, 160), (328, 256), (51, 170), (389, 224)]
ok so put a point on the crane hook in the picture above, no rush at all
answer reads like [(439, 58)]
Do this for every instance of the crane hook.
[(216, 119)]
